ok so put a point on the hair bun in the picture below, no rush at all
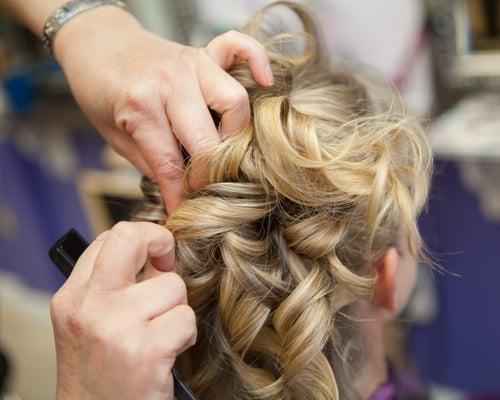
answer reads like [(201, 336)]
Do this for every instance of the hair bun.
[(274, 249)]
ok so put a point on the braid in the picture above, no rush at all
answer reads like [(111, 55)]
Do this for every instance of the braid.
[(273, 249)]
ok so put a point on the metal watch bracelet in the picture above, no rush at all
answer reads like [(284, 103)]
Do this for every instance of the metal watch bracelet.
[(67, 11)]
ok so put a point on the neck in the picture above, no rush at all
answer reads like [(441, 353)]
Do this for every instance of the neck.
[(374, 371)]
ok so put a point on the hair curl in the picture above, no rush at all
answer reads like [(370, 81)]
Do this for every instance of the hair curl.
[(320, 184)]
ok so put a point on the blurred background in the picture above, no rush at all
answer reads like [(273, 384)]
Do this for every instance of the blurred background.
[(444, 56)]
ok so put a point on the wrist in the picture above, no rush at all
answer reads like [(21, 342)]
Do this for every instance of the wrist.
[(91, 25), (65, 392), (31, 13)]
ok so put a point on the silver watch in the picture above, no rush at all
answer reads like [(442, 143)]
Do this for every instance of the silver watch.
[(67, 11)]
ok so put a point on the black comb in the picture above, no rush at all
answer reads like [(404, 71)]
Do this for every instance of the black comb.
[(67, 250), (64, 254)]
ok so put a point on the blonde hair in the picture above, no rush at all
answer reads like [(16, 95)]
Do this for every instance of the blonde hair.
[(273, 248)]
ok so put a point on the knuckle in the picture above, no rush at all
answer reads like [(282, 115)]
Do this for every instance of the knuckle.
[(132, 109), (135, 98), (186, 325), (169, 239), (57, 304), (163, 349), (190, 316), (237, 97), (232, 34), (177, 286), (169, 236), (193, 338), (75, 324), (124, 230), (188, 321), (246, 41), (187, 316), (255, 46), (102, 236)]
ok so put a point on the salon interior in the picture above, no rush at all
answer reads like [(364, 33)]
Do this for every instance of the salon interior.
[(58, 173)]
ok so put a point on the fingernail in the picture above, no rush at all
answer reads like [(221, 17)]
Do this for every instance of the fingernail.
[(269, 75)]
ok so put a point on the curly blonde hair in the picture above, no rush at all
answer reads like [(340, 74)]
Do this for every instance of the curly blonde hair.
[(274, 248)]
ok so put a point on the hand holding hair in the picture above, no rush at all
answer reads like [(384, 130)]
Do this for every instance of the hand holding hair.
[(146, 94), (104, 329)]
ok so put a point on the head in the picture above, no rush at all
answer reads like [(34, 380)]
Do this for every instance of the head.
[(307, 213)]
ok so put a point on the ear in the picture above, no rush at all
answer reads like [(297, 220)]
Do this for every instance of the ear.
[(384, 295)]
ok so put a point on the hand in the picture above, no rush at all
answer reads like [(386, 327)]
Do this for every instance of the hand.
[(115, 338), (144, 93)]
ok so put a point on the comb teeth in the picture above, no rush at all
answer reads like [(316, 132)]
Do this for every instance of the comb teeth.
[(67, 250)]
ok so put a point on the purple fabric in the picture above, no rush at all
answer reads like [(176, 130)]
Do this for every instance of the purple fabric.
[(486, 397), (40, 207), (400, 387), (387, 392), (460, 349)]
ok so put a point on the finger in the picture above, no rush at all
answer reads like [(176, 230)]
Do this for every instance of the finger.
[(145, 122), (164, 157), (194, 127), (83, 268), (178, 325), (225, 95), (150, 271), (230, 46), (125, 250), (190, 118), (155, 296), (123, 144)]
